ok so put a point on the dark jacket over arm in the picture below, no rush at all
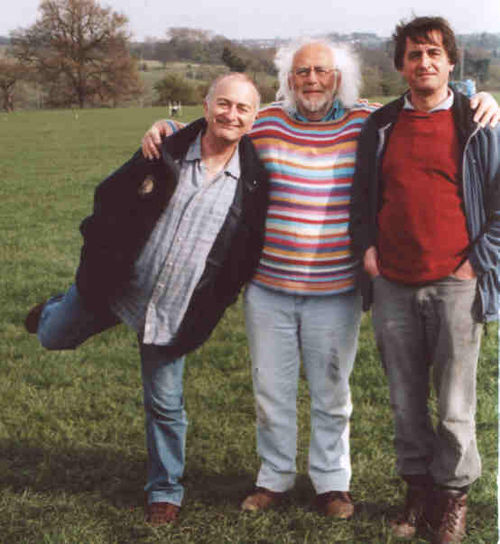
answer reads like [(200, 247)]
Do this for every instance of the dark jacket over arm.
[(127, 206)]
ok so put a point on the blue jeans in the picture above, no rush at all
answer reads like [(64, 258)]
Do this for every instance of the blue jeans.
[(65, 323), (322, 331)]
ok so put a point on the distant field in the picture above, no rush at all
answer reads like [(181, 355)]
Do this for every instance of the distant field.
[(152, 64), (72, 453)]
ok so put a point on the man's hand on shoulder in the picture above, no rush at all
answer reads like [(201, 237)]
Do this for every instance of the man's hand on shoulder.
[(370, 262), (487, 111), (151, 141)]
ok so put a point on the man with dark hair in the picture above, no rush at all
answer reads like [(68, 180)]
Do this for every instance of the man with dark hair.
[(419, 30), (425, 219), (168, 247)]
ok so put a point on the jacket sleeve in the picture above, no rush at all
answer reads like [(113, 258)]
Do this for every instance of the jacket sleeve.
[(250, 241), (363, 207), (259, 223), (484, 253), (116, 229)]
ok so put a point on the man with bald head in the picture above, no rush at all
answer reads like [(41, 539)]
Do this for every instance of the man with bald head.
[(302, 303), (168, 247)]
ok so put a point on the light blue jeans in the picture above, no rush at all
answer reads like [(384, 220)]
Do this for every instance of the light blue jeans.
[(322, 331), (65, 323)]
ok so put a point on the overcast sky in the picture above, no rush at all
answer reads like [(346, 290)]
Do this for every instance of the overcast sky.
[(276, 18)]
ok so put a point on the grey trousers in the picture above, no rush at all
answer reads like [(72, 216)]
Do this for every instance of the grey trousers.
[(424, 329)]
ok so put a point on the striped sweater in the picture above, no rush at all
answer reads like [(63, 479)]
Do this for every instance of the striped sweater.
[(311, 165)]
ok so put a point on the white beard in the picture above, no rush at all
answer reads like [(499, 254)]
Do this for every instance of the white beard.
[(314, 105)]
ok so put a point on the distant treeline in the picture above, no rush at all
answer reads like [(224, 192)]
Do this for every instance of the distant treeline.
[(481, 59), (180, 66), (202, 46), (179, 44)]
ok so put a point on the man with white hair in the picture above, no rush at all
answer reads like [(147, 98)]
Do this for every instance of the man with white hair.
[(302, 303)]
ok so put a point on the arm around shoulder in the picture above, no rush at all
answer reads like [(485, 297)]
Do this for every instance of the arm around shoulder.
[(151, 141)]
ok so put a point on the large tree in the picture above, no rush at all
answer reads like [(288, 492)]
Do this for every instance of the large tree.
[(11, 71), (80, 52)]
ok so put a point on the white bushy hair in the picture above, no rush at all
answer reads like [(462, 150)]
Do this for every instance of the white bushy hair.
[(346, 61)]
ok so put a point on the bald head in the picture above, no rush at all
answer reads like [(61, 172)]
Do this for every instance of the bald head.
[(233, 76), (230, 108)]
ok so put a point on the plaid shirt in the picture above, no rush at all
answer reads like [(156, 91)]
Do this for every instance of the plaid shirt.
[(173, 259)]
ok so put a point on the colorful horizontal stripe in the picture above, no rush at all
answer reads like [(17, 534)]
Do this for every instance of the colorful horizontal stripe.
[(311, 164)]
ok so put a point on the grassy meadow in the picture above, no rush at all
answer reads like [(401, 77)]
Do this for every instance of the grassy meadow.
[(72, 451)]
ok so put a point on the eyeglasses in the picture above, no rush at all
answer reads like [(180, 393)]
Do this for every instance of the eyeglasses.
[(320, 71)]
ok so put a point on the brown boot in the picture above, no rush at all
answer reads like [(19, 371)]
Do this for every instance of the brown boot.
[(161, 513), (335, 504), (33, 318), (451, 513), (414, 512), (261, 499)]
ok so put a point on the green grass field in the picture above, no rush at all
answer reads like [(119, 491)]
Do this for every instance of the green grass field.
[(72, 453)]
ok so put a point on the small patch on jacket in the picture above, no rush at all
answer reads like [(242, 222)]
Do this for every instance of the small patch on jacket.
[(147, 186)]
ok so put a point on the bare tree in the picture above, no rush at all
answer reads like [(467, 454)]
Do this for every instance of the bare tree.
[(11, 71), (80, 52)]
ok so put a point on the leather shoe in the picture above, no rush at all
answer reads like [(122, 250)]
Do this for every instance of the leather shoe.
[(161, 513), (413, 516), (335, 504), (452, 511), (261, 499), (33, 318)]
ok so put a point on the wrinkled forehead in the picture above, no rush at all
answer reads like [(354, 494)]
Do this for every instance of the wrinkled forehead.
[(236, 90), (314, 54)]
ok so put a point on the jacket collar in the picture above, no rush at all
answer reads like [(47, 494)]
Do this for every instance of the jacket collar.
[(462, 113), (175, 147), (443, 105), (178, 144)]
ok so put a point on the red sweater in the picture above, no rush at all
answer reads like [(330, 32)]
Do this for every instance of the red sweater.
[(422, 229)]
